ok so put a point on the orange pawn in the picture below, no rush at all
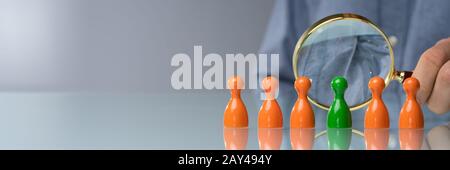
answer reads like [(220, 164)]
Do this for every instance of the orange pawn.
[(302, 115), (410, 139), (235, 138), (270, 115), (235, 114), (377, 115), (376, 139), (411, 115), (302, 138), (270, 138)]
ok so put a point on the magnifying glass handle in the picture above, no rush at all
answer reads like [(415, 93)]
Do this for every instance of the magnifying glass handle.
[(402, 75)]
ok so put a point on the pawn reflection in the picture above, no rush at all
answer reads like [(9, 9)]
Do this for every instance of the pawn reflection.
[(235, 138), (302, 138), (376, 139), (339, 138), (410, 139), (270, 138)]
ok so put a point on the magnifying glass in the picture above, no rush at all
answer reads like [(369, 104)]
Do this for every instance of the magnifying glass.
[(346, 45)]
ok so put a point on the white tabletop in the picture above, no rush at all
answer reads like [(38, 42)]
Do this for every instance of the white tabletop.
[(41, 120)]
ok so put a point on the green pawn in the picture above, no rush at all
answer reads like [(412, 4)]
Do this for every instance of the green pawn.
[(339, 115), (339, 139)]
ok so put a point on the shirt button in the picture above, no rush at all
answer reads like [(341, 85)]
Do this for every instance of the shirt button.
[(393, 40)]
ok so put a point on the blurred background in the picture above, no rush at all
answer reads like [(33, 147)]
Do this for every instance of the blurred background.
[(117, 45), (95, 74)]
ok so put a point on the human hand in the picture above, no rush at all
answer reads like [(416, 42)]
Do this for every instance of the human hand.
[(433, 73)]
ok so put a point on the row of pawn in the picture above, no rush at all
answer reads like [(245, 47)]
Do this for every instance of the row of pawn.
[(337, 138), (339, 114)]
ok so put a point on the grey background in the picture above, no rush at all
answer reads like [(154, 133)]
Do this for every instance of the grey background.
[(117, 45), (58, 57), (52, 51)]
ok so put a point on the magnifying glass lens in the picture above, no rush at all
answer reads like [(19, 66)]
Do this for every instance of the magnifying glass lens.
[(350, 48)]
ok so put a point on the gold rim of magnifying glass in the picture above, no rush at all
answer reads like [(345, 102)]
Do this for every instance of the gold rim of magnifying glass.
[(325, 21)]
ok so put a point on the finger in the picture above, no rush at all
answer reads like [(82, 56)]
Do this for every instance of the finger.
[(439, 101), (428, 67)]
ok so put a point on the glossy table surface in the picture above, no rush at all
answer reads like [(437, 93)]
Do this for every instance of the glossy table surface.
[(329, 139), (51, 120)]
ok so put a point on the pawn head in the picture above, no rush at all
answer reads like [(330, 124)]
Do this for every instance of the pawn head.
[(339, 83), (269, 84), (235, 82), (411, 85), (376, 84), (302, 84)]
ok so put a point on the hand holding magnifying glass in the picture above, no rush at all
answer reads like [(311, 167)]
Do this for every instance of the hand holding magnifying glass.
[(433, 72), (352, 46)]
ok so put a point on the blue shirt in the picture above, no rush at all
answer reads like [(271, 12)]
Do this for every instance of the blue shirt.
[(417, 25)]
